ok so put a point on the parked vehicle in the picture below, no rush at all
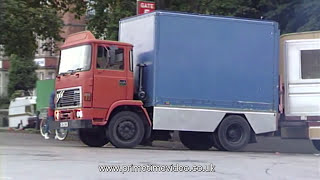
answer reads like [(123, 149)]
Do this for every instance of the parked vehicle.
[(44, 88), (300, 72), (20, 110), (213, 79)]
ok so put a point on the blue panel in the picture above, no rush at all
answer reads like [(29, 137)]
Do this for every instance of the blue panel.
[(140, 32), (213, 62)]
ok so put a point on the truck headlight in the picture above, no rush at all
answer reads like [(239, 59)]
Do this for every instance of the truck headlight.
[(57, 115), (79, 114)]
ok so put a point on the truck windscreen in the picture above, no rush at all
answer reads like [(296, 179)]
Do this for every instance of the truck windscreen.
[(75, 59)]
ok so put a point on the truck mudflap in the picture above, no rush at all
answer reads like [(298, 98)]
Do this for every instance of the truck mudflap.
[(70, 124)]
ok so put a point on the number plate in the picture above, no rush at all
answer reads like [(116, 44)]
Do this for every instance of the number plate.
[(64, 124)]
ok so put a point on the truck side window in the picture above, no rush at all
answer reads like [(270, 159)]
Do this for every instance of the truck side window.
[(110, 58), (310, 64), (131, 60), (116, 59), (102, 58)]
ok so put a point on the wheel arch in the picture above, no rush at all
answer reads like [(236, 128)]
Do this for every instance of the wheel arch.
[(232, 114), (252, 134), (259, 122), (131, 105)]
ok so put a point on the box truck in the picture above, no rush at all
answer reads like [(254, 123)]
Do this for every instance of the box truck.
[(213, 79)]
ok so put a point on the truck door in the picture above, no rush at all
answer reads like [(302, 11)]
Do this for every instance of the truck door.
[(302, 70), (110, 76)]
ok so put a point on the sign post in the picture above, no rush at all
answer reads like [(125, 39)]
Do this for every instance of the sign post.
[(145, 7)]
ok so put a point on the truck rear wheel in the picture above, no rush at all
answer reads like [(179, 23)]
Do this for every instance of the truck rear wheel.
[(93, 137), (234, 133), (316, 144), (196, 140), (126, 130)]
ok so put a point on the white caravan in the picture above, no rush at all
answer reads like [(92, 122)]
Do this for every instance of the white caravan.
[(20, 110)]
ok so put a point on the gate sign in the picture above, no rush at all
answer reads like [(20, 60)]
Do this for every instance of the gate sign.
[(145, 7)]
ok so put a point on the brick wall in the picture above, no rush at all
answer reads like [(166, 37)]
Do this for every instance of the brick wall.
[(51, 62), (5, 64)]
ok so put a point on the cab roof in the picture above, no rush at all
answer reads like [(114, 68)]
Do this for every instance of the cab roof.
[(87, 37)]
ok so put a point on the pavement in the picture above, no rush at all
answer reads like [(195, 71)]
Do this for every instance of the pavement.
[(29, 156)]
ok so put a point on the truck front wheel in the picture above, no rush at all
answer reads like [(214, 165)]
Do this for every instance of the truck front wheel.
[(93, 137), (126, 130), (196, 140), (316, 144), (234, 133), (216, 142)]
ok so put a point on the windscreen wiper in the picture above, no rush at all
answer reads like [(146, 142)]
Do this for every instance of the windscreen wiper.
[(79, 69), (71, 71)]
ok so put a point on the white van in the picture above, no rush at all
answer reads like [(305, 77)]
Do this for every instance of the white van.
[(20, 110)]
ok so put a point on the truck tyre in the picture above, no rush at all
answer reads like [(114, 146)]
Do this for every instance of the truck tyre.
[(196, 140), (126, 130), (316, 144), (216, 142), (234, 133), (93, 137)]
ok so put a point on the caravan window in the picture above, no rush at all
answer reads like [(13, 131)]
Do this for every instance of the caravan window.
[(310, 64), (28, 109)]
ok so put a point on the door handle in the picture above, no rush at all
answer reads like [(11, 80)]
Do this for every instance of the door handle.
[(122, 82)]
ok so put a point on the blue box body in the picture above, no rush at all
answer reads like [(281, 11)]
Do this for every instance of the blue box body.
[(203, 61)]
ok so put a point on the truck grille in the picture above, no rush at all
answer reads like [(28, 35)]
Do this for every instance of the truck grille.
[(68, 98)]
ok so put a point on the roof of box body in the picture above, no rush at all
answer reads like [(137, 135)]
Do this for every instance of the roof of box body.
[(216, 17)]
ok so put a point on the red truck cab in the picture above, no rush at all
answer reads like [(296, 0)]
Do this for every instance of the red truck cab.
[(94, 84)]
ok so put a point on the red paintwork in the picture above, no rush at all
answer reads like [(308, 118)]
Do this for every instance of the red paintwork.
[(103, 85), (281, 93), (146, 7), (129, 103), (86, 37), (106, 83), (292, 118), (83, 79), (315, 123), (88, 113), (313, 118)]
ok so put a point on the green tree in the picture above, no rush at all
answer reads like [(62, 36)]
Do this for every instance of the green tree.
[(104, 16), (292, 15), (22, 22), (22, 73), (240, 8), (296, 15)]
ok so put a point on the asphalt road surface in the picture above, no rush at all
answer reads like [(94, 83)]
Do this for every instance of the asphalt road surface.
[(29, 156)]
